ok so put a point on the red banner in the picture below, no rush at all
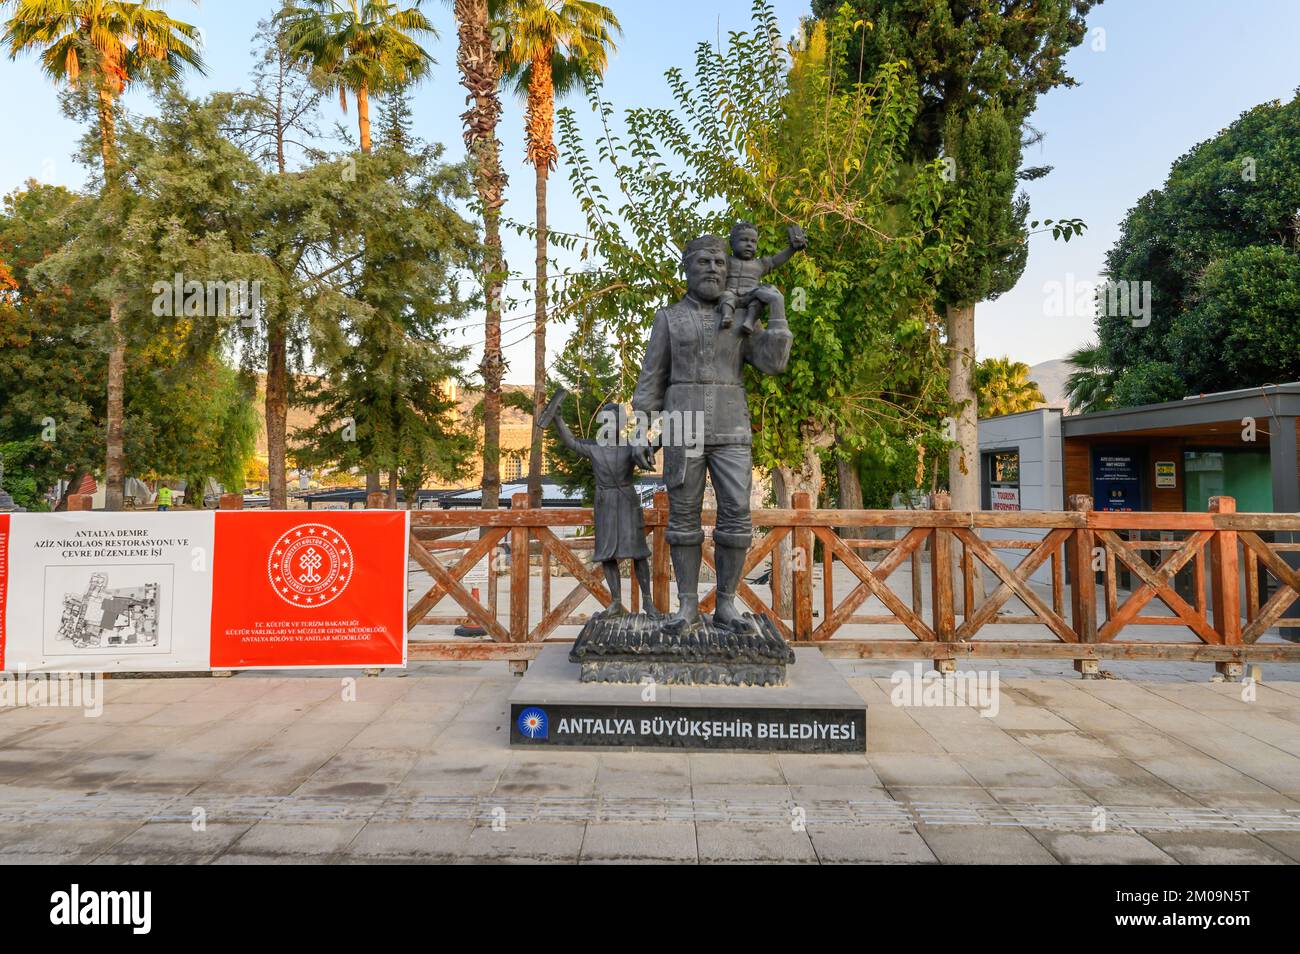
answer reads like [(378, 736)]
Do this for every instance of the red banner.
[(299, 589)]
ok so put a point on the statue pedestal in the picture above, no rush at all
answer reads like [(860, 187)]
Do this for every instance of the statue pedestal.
[(637, 648), (816, 711)]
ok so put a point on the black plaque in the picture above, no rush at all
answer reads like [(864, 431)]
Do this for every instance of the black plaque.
[(744, 728)]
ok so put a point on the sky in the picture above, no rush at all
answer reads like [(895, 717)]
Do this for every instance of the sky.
[(1156, 77)]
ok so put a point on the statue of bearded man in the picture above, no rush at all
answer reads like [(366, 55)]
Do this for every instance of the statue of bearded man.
[(694, 374)]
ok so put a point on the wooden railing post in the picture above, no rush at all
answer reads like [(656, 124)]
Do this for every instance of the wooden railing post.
[(1225, 586), (519, 582), (941, 606), (1083, 586), (801, 572), (659, 553)]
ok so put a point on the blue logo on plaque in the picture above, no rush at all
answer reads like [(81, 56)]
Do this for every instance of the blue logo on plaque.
[(532, 723)]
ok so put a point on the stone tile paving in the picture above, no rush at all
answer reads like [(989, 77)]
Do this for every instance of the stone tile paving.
[(1159, 766)]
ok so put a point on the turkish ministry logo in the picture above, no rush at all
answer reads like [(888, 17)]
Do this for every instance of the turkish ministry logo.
[(310, 565), (532, 723)]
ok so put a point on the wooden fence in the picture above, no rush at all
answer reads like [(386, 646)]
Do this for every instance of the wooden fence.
[(1105, 572)]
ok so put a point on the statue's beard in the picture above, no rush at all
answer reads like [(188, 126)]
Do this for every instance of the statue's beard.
[(707, 288)]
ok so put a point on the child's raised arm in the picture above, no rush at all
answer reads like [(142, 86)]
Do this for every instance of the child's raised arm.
[(798, 242)]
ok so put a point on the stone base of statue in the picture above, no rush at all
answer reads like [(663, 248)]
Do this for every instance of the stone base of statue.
[(815, 711), (638, 648)]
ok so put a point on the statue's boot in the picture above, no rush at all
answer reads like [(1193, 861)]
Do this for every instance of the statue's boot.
[(614, 583), (730, 563), (686, 567), (642, 570)]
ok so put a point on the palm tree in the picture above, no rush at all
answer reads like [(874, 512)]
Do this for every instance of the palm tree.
[(480, 73), (108, 44), (1004, 387), (1089, 387), (552, 47), (361, 47)]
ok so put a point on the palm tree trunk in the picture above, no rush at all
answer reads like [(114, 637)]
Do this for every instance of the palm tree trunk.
[(540, 150), (373, 485), (480, 75), (363, 117), (277, 413), (539, 344), (492, 368), (107, 132), (115, 411)]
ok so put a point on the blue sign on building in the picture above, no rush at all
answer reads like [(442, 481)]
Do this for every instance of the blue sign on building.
[(1117, 479)]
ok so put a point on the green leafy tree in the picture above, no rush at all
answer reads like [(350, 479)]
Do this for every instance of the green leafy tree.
[(787, 143), (1004, 387), (1150, 382), (979, 67), (188, 414), (207, 209), (52, 364), (101, 47), (1244, 328), (386, 378), (276, 118), (1216, 251), (968, 54), (552, 48), (192, 419)]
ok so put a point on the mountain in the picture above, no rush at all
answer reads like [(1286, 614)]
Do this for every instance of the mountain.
[(1050, 376)]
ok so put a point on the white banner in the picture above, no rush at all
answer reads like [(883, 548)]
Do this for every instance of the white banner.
[(109, 591)]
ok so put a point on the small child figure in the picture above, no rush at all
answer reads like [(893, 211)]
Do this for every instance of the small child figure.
[(744, 272), (620, 526)]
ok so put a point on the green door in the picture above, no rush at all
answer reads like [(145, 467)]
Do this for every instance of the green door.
[(1244, 475)]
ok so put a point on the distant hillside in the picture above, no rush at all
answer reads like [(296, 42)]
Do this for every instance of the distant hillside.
[(1050, 376)]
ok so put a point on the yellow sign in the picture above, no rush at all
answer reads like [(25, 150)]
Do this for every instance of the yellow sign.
[(1166, 474)]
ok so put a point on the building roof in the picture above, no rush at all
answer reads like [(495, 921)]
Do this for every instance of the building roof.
[(1266, 401)]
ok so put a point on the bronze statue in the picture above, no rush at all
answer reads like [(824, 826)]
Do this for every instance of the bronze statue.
[(744, 289), (620, 526), (693, 371)]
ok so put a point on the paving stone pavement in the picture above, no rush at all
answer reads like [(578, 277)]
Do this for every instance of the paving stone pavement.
[(1159, 766)]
